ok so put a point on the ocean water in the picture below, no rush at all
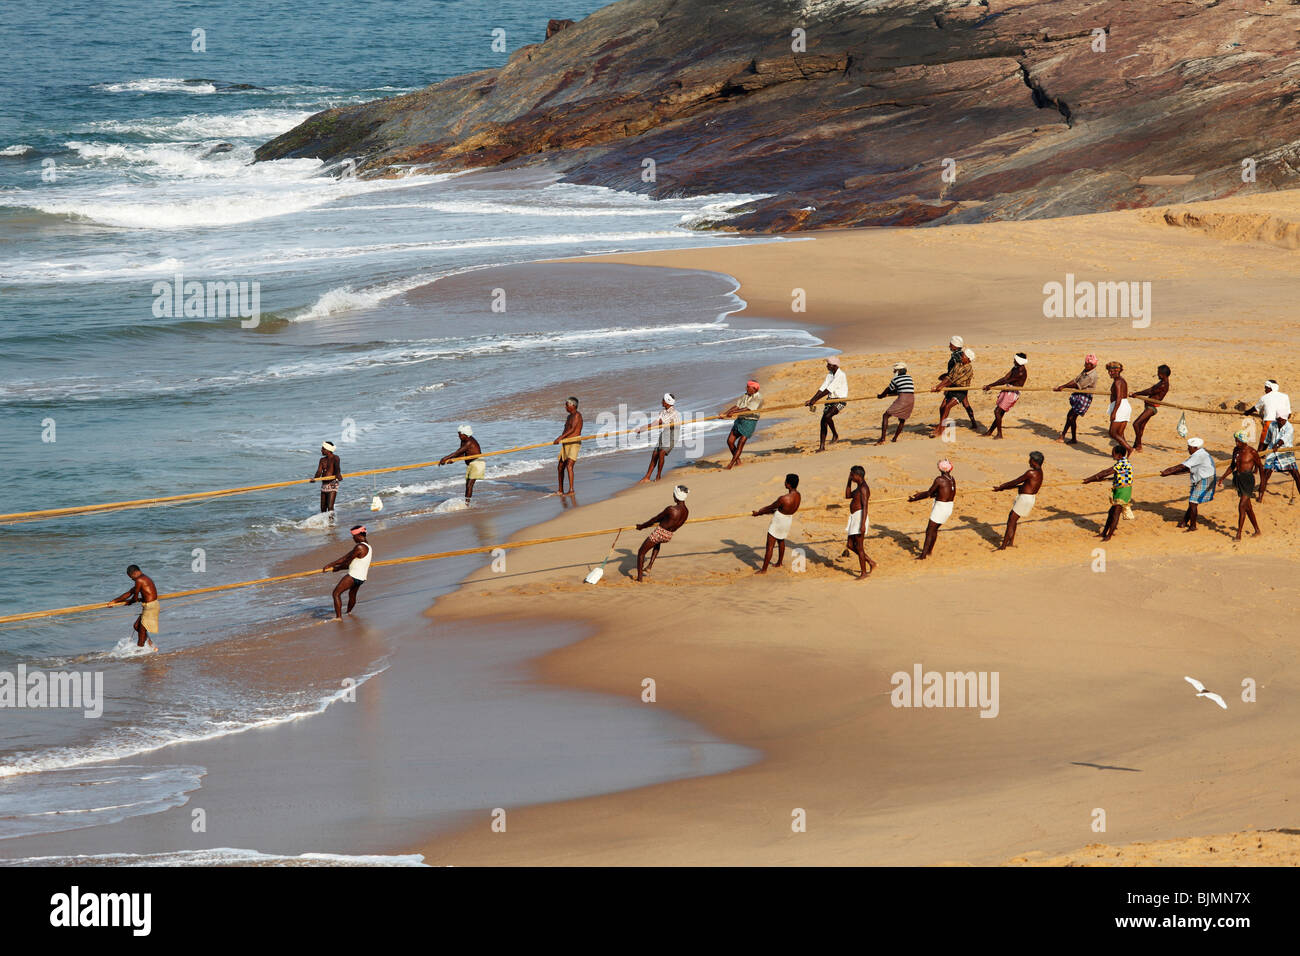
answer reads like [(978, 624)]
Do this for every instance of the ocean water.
[(125, 162)]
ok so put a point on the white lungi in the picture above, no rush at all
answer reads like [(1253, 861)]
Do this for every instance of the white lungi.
[(1024, 504), (858, 523), (941, 511), (1125, 412), (780, 525)]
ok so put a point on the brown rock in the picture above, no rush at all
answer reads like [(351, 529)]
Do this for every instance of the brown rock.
[(855, 130)]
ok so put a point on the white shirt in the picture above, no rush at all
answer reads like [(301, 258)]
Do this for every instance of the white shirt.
[(1273, 405), (836, 384), (1201, 465)]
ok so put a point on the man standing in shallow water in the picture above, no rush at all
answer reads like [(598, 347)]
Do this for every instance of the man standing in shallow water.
[(144, 591), (667, 521), (568, 446), (358, 564)]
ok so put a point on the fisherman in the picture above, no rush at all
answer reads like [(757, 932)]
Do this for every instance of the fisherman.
[(469, 451), (1080, 399), (902, 386), (357, 561), (1280, 435), (955, 383), (1121, 493), (1027, 485), (568, 449), (858, 493), (944, 492), (1272, 405), (666, 522), (745, 411), (1200, 467), (1246, 461), (1008, 397), (329, 471), (834, 387), (1119, 410), (956, 348), (1155, 393), (669, 424), (782, 511), (145, 592)]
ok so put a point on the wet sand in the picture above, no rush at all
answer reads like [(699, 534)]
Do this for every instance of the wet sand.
[(1094, 713)]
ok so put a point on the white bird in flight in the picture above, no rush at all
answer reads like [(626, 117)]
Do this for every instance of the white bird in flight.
[(1202, 692)]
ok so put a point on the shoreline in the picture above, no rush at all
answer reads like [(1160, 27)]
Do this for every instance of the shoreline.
[(391, 636), (640, 826)]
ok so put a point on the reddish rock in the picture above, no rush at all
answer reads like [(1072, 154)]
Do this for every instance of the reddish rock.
[(1035, 118)]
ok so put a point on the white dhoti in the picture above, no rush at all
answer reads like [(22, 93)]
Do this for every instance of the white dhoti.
[(941, 511), (1024, 504), (1124, 413), (858, 523), (779, 526)]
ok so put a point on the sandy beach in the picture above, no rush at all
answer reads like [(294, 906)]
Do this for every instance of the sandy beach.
[(1091, 648)]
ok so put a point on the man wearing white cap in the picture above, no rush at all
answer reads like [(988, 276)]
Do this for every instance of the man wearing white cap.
[(944, 492), (954, 383), (468, 452), (1200, 466), (1008, 397), (669, 424), (834, 386), (357, 562), (901, 386), (1280, 434), (1272, 405), (666, 522), (328, 472)]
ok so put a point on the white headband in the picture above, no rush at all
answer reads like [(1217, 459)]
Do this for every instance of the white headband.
[(327, 445), (670, 398), (1195, 442), (680, 492), (466, 431)]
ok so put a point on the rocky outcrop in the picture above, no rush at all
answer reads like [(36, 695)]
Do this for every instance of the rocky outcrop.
[(869, 112)]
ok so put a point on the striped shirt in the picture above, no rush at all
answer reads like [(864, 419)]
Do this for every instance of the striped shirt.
[(900, 384)]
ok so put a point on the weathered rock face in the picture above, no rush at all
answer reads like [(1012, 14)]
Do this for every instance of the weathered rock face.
[(1042, 107)]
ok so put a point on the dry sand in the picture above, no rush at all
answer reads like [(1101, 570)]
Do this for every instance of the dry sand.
[(1093, 710)]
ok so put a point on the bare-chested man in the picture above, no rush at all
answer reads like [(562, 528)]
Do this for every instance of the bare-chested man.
[(858, 493), (1245, 464), (1008, 397), (468, 452), (328, 472), (568, 448), (944, 492), (1155, 393), (666, 521), (1028, 485), (1119, 410), (144, 592), (357, 562), (782, 511)]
